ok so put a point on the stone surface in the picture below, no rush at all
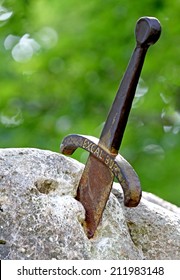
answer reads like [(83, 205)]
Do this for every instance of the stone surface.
[(41, 219)]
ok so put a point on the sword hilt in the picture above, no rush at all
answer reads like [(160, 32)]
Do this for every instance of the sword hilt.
[(147, 32)]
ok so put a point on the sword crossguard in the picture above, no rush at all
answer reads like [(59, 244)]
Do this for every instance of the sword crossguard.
[(120, 168)]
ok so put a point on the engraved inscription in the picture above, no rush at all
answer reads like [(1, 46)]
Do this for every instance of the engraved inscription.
[(119, 167), (102, 155), (73, 141), (94, 149)]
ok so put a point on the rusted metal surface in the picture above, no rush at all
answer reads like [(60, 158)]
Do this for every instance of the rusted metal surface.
[(120, 168), (104, 162)]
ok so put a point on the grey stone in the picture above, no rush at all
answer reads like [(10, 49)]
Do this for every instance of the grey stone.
[(41, 219)]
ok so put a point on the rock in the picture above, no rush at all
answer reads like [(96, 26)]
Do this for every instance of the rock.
[(41, 219), (154, 226)]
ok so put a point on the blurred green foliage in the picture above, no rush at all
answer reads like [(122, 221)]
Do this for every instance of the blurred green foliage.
[(61, 64)]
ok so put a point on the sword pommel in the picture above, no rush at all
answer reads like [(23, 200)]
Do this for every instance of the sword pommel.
[(148, 30)]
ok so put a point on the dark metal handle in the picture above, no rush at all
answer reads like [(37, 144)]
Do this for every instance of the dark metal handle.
[(147, 33)]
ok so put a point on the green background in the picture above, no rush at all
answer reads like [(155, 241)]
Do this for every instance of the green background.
[(61, 63)]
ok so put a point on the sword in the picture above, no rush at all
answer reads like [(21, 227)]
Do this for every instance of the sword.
[(104, 162)]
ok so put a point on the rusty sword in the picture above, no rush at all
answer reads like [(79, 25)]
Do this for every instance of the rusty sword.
[(104, 162)]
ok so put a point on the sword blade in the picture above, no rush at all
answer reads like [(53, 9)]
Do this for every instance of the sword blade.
[(93, 191)]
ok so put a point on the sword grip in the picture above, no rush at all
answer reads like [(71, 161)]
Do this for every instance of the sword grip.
[(147, 33)]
